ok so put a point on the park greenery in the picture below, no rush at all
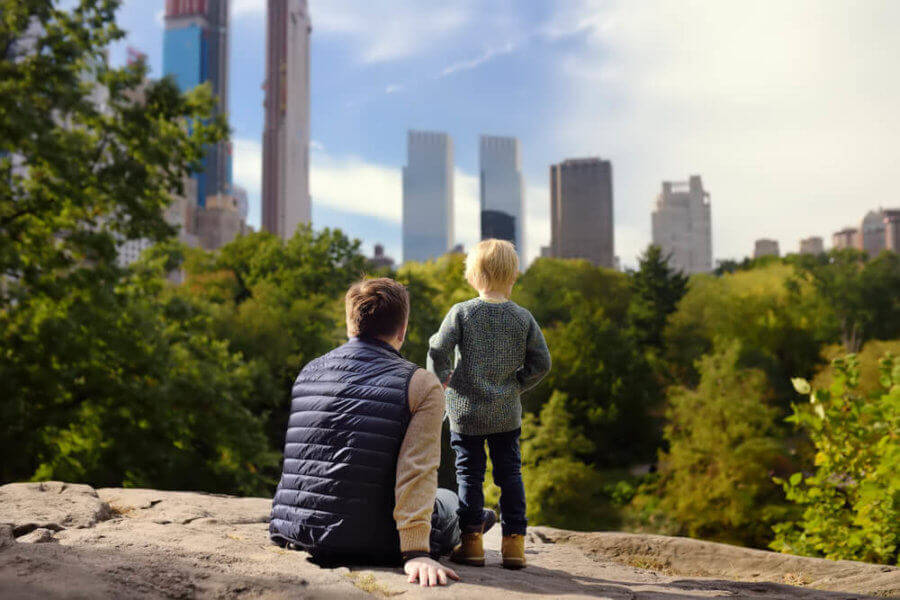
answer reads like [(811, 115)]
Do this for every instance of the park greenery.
[(757, 405)]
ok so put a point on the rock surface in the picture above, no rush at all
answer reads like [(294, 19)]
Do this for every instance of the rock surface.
[(113, 543)]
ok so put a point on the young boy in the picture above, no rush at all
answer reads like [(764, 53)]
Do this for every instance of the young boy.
[(500, 353)]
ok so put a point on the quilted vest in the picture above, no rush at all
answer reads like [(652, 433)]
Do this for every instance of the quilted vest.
[(349, 414)]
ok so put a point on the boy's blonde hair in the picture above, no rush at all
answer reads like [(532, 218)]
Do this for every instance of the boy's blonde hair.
[(492, 265)]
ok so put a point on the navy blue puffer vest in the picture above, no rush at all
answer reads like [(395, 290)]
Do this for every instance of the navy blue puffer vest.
[(349, 413)]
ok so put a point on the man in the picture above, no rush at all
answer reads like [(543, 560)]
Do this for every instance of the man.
[(362, 449)]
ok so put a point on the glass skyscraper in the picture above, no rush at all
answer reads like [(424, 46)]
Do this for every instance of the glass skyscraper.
[(195, 50), (502, 190), (427, 196)]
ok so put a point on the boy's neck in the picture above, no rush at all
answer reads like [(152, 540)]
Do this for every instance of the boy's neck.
[(493, 295)]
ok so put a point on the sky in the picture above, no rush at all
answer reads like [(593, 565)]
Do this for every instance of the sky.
[(790, 111)]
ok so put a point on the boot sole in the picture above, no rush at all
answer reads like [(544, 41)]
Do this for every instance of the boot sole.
[(472, 562), (514, 563)]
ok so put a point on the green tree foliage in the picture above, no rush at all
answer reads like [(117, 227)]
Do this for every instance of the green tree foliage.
[(560, 489), (851, 501), (103, 377), (861, 293), (610, 385), (434, 287), (75, 174), (279, 304), (715, 476), (657, 288), (552, 288), (868, 361), (777, 323)]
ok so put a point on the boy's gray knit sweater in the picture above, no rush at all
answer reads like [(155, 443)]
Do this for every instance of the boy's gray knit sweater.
[(500, 352)]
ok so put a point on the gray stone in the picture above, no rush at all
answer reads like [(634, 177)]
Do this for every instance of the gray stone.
[(38, 536), (191, 545), (6, 535), (50, 505)]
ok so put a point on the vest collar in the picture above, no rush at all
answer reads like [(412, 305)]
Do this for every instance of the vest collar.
[(376, 342)]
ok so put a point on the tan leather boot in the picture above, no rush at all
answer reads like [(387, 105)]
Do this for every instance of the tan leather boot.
[(470, 551), (513, 550)]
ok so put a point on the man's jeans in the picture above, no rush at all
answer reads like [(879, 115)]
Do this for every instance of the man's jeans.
[(444, 523), (471, 464)]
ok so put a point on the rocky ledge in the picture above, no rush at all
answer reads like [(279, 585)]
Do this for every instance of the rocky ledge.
[(61, 540)]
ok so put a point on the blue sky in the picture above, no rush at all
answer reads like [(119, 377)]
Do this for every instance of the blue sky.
[(788, 110)]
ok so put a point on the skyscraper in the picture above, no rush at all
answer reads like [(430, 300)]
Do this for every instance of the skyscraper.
[(427, 195), (766, 247), (581, 211), (872, 233), (195, 50), (502, 190), (285, 186), (849, 237), (812, 245), (682, 225)]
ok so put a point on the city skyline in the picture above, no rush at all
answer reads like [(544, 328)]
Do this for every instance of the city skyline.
[(578, 78)]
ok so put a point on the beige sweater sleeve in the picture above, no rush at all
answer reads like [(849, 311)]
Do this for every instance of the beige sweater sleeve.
[(418, 461)]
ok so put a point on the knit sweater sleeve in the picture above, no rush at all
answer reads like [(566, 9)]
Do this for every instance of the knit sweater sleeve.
[(537, 357), (442, 346), (417, 463)]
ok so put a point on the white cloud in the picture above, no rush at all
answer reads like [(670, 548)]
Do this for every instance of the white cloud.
[(393, 88), (465, 65), (786, 109), (350, 184), (385, 31), (160, 16)]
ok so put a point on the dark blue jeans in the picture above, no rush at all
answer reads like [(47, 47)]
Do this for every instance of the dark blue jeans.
[(471, 464)]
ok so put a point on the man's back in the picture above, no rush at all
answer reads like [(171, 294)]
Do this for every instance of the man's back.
[(349, 415)]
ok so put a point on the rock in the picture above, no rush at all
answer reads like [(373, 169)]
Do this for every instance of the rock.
[(192, 545), (38, 536), (50, 505), (185, 507), (6, 535)]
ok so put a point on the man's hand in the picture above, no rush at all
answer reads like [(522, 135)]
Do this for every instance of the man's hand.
[(429, 572)]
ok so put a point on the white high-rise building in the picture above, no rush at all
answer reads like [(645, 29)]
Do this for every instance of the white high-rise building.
[(682, 225), (285, 187), (427, 195), (502, 191)]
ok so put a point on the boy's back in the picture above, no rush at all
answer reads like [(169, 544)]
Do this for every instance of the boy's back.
[(501, 354)]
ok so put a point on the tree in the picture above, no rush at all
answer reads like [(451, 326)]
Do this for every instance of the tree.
[(279, 304), (851, 501), (77, 175), (552, 288), (715, 476), (862, 293), (611, 386), (560, 489), (778, 322), (104, 377), (657, 289)]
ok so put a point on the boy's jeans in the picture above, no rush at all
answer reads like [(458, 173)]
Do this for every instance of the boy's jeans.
[(470, 468)]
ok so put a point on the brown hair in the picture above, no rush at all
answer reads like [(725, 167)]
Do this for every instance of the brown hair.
[(376, 307)]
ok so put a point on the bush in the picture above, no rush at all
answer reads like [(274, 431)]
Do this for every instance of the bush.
[(851, 500)]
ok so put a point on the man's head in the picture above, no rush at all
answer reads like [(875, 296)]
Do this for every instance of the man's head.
[(492, 266), (378, 308)]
